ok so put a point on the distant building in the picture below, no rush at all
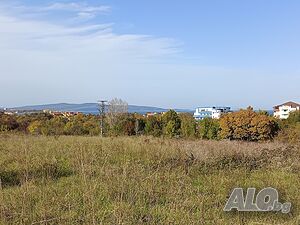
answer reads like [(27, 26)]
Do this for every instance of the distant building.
[(210, 112), (70, 114), (150, 114), (9, 111), (61, 113), (283, 111)]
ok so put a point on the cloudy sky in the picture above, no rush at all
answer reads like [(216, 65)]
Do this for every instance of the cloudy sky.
[(177, 54)]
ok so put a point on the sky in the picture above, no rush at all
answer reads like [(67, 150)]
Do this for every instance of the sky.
[(172, 54)]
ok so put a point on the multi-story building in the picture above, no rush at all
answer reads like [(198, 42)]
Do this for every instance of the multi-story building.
[(210, 112), (283, 111)]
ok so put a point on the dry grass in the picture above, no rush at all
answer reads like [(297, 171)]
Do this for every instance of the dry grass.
[(140, 180)]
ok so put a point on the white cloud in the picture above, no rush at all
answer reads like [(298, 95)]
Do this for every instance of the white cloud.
[(78, 7), (36, 34), (55, 60), (80, 10), (85, 15)]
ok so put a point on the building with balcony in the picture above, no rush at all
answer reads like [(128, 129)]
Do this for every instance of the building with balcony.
[(214, 112), (283, 111)]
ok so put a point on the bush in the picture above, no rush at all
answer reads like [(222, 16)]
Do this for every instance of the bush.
[(294, 118), (290, 128), (35, 127), (124, 124), (8, 123)]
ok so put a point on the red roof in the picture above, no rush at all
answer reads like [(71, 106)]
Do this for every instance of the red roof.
[(291, 104)]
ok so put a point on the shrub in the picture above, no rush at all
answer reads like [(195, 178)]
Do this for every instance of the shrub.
[(124, 124), (8, 123), (290, 128), (35, 127), (294, 118)]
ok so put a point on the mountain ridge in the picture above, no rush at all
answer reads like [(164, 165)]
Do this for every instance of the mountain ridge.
[(91, 108)]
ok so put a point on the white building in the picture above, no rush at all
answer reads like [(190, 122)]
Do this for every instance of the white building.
[(210, 112), (283, 111)]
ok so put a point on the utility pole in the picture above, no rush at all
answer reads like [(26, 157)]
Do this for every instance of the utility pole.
[(137, 126), (101, 104)]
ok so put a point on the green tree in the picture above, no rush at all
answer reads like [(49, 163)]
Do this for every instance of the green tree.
[(54, 126), (75, 126), (290, 128), (91, 125), (208, 128), (171, 123), (294, 118), (188, 125), (124, 124), (153, 126)]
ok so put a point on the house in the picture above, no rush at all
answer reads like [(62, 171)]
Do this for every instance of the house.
[(214, 112), (61, 113), (10, 112), (70, 114), (149, 114), (283, 111)]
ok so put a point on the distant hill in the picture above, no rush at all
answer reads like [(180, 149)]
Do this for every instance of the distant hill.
[(92, 108)]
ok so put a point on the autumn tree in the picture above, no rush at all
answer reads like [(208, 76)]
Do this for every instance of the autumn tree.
[(75, 126), (124, 124), (54, 126), (247, 125), (8, 122), (91, 125), (35, 127), (263, 112)]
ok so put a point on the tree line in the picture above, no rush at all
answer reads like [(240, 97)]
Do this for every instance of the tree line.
[(245, 124)]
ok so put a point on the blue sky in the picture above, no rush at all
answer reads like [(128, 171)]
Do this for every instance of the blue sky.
[(177, 54)]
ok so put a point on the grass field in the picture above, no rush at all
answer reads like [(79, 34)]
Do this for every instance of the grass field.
[(140, 180)]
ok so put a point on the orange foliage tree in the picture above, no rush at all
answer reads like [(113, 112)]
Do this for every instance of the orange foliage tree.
[(248, 125)]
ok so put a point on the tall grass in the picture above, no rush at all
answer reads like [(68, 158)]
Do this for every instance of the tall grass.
[(140, 180)]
